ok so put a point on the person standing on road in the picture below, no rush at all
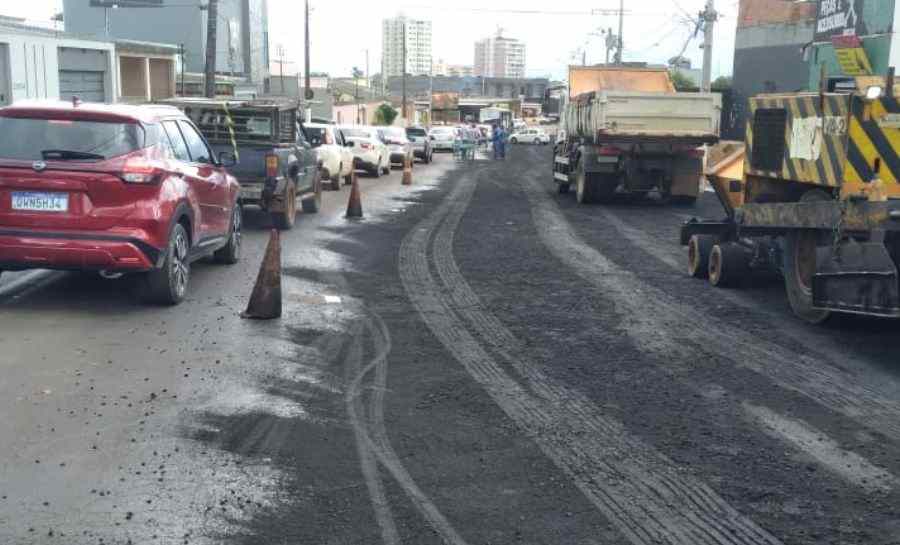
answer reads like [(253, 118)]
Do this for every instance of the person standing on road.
[(498, 139)]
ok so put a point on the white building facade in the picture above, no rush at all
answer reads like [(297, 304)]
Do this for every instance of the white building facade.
[(418, 46), (37, 63), (500, 57)]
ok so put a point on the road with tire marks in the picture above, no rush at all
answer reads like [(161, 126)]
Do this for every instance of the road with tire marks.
[(479, 360)]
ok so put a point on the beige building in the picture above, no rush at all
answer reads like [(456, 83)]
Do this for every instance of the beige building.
[(147, 71)]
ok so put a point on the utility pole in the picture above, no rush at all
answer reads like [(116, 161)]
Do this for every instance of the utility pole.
[(181, 53), (212, 28), (709, 18), (308, 93), (279, 50), (368, 74), (584, 58), (621, 41), (403, 114)]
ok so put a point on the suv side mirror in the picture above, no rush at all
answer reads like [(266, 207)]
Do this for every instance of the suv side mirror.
[(227, 159), (350, 144)]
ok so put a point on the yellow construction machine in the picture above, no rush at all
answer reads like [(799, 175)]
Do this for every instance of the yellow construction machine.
[(814, 195)]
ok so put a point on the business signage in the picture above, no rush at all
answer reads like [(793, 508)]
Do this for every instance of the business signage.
[(126, 3), (839, 18)]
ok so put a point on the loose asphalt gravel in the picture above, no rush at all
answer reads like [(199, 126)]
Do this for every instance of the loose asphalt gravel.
[(479, 360)]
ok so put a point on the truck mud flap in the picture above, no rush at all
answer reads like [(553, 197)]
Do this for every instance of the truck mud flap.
[(862, 279)]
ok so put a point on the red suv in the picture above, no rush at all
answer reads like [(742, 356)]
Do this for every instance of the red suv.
[(120, 189)]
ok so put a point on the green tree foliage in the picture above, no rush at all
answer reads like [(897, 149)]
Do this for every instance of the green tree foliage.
[(385, 115), (722, 83), (681, 82)]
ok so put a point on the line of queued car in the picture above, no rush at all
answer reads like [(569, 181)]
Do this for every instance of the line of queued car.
[(148, 190)]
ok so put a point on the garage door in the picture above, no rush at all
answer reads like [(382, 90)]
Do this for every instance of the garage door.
[(88, 86), (82, 73)]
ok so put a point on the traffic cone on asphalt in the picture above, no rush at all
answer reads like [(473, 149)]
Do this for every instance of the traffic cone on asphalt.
[(407, 171), (265, 301), (354, 206)]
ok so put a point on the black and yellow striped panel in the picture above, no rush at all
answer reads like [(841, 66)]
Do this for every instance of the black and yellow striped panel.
[(823, 162), (870, 144)]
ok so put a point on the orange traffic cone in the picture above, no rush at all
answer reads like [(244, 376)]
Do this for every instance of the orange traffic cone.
[(354, 206), (407, 171), (265, 301)]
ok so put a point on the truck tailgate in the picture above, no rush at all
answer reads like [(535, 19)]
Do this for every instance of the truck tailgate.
[(251, 162)]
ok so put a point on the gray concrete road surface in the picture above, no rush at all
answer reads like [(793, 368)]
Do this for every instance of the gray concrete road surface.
[(478, 361)]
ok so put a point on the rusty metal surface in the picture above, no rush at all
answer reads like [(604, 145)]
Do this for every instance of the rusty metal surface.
[(857, 216), (584, 79)]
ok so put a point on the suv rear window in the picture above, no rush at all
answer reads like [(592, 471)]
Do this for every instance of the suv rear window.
[(415, 132), (315, 135), (34, 137)]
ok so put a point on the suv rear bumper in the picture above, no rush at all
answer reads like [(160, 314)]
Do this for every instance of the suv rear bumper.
[(21, 250)]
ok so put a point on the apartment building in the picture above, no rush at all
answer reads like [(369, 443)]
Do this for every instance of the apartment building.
[(500, 57), (417, 34)]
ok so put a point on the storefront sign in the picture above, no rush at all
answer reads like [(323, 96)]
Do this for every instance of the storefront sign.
[(839, 18)]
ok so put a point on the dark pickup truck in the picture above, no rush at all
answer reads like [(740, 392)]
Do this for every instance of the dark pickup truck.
[(275, 163)]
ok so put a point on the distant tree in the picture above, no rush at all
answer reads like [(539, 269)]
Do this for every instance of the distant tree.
[(722, 83), (385, 115), (681, 81)]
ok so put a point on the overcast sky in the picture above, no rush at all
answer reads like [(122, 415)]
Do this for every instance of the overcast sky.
[(555, 32)]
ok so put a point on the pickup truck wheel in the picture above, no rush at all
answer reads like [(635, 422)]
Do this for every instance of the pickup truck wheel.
[(285, 220), (231, 252), (168, 284), (312, 205), (336, 179)]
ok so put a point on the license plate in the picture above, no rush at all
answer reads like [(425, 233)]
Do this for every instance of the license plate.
[(40, 202)]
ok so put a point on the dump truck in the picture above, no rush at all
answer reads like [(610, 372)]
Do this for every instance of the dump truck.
[(625, 131), (813, 196)]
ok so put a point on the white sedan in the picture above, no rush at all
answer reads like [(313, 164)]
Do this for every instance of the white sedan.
[(530, 136), (370, 152), (334, 156)]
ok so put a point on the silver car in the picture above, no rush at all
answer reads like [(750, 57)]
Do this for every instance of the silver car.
[(421, 144)]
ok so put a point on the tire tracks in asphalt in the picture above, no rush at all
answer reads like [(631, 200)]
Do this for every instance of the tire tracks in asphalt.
[(797, 433), (644, 494), (649, 313)]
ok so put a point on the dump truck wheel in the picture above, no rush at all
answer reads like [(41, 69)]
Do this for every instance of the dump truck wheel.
[(699, 248), (584, 190), (800, 266), (728, 265)]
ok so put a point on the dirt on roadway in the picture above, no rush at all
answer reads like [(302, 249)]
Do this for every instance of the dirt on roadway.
[(479, 361)]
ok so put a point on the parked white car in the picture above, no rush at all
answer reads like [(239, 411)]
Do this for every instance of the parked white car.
[(335, 158), (370, 153), (530, 136), (442, 138), (398, 144)]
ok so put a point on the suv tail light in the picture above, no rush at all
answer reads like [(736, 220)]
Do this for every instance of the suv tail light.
[(138, 169), (365, 145), (271, 166)]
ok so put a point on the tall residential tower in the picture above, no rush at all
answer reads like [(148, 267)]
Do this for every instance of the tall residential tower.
[(418, 46), (500, 57)]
